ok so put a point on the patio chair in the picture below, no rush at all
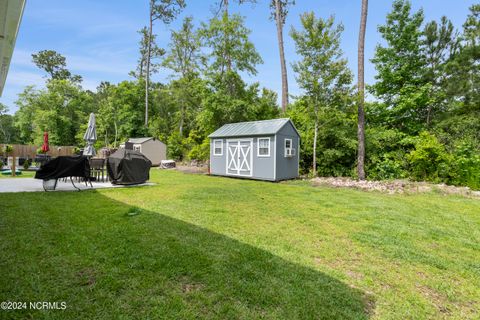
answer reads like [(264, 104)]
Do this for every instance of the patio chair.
[(97, 168), (42, 159)]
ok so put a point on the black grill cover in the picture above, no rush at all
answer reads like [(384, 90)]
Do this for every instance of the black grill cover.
[(64, 166), (128, 167)]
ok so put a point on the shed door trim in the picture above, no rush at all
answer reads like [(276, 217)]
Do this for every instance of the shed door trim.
[(239, 159)]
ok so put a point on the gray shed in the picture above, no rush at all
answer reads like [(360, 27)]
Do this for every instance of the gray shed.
[(264, 150), (154, 149)]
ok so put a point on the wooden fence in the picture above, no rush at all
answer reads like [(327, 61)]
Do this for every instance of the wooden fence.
[(29, 151)]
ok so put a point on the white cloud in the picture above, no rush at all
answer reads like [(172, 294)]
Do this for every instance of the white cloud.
[(24, 78), (81, 64), (22, 58)]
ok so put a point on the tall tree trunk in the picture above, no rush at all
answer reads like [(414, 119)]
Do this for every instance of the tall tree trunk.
[(147, 75), (142, 62), (279, 23), (361, 92), (429, 111), (227, 38), (182, 117), (106, 137), (116, 134), (315, 135)]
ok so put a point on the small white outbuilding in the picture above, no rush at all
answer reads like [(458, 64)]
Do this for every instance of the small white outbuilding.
[(263, 150), (154, 149)]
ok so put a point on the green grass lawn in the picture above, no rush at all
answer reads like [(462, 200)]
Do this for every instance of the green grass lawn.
[(195, 246), (25, 174)]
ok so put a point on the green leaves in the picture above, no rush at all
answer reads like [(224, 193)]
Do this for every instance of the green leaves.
[(322, 72), (184, 56), (55, 65), (400, 63), (166, 10), (231, 50), (59, 109), (326, 80)]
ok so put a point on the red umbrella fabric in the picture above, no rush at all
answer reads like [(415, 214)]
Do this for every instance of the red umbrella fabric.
[(45, 147)]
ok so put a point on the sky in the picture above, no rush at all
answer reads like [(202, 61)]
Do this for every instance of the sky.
[(100, 41)]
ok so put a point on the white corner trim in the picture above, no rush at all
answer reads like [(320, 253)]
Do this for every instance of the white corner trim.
[(275, 154), (298, 156)]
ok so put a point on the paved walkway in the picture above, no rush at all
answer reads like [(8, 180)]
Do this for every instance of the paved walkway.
[(35, 185)]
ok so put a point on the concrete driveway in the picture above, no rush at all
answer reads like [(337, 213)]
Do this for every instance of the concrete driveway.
[(35, 185)]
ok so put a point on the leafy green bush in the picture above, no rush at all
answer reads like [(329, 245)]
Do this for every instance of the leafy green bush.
[(386, 168), (8, 149), (175, 146), (386, 153), (429, 160), (27, 164), (466, 165), (336, 141), (200, 151)]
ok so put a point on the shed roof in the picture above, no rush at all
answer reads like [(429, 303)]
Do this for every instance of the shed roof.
[(251, 128), (140, 140)]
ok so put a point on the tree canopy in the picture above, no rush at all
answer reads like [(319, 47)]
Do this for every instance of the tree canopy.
[(421, 118)]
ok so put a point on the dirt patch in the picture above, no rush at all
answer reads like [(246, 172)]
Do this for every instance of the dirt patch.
[(192, 169), (394, 186), (437, 299), (188, 286), (87, 277)]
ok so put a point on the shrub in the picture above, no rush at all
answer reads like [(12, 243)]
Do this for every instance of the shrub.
[(466, 165), (201, 151), (429, 160), (8, 149), (27, 164), (386, 167), (176, 146), (386, 151)]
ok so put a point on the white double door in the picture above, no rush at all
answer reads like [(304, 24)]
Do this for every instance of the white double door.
[(240, 157)]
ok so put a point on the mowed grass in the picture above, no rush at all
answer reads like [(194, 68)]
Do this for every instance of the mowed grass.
[(201, 247), (25, 174)]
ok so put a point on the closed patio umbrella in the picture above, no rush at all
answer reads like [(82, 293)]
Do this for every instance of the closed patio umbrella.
[(90, 137), (45, 147)]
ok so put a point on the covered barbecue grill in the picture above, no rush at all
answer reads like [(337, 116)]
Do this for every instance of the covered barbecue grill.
[(128, 167), (63, 167)]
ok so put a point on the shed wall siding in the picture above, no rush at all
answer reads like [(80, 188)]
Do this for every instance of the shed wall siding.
[(287, 167), (218, 163), (262, 167), (275, 167), (154, 150)]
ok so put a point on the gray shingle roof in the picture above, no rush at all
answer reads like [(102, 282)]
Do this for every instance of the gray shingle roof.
[(252, 128)]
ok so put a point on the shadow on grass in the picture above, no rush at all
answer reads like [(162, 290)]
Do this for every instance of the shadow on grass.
[(110, 260)]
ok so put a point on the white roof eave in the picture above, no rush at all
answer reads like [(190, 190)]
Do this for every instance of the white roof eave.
[(11, 12)]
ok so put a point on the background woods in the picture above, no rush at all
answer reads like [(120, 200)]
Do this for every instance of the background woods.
[(421, 113)]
